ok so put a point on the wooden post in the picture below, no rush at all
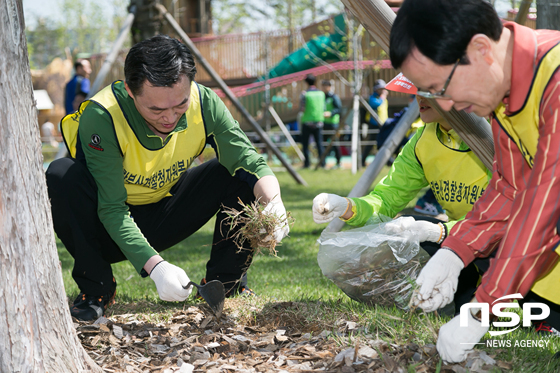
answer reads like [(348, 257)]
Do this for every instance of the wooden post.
[(370, 110), (521, 16), (291, 26), (147, 22), (357, 87), (355, 156), (377, 18), (230, 94), (474, 130), (286, 132), (267, 104)]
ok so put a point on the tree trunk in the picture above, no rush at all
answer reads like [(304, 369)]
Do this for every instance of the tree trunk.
[(36, 331), (521, 16), (291, 26), (548, 15)]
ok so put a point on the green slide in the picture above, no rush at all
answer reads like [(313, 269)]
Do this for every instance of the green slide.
[(323, 46)]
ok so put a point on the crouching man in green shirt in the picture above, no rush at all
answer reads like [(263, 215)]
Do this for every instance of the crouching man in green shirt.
[(127, 193)]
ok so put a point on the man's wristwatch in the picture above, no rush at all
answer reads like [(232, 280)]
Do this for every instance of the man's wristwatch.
[(476, 313)]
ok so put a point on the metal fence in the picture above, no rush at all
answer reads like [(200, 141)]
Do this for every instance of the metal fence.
[(245, 57), (280, 140), (285, 91), (241, 58)]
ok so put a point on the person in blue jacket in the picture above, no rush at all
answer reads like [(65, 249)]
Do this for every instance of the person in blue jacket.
[(78, 87)]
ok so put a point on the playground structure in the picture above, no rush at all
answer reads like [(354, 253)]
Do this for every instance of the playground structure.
[(242, 61), (246, 56), (273, 99), (270, 95)]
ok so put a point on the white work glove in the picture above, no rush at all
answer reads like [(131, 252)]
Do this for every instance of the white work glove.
[(326, 207), (421, 229), (456, 341), (170, 280), (282, 229), (438, 280)]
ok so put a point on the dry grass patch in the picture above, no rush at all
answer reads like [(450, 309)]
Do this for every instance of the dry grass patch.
[(298, 316), (254, 226), (256, 335)]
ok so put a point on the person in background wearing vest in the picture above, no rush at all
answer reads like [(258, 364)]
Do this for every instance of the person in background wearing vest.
[(331, 120), (511, 73), (378, 102), (312, 107), (436, 157), (77, 88), (150, 128)]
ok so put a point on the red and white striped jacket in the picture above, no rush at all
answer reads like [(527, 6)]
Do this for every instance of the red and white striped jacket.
[(517, 214)]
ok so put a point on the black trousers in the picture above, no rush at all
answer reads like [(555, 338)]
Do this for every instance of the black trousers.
[(366, 149), (315, 130), (554, 318), (334, 148), (196, 198)]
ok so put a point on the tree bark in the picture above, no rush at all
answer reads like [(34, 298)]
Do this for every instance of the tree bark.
[(36, 331), (548, 15)]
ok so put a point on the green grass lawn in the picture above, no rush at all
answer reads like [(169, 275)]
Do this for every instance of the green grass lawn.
[(295, 276)]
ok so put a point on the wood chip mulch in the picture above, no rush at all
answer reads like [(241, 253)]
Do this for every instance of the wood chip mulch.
[(192, 340)]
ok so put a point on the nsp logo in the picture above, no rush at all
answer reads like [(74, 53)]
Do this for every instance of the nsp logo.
[(528, 315)]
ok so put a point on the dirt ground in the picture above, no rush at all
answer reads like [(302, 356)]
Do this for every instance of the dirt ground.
[(273, 339), (276, 338)]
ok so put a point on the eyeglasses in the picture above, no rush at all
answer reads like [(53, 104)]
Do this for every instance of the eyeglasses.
[(440, 94)]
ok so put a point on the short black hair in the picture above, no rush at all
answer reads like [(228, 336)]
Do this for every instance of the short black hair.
[(441, 29), (326, 82), (78, 63), (160, 60), (310, 79)]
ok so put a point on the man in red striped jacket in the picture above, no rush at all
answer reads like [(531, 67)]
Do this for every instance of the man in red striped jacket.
[(459, 53)]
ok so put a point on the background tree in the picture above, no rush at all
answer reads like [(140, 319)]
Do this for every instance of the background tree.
[(36, 332), (548, 15), (83, 28), (43, 43), (252, 15)]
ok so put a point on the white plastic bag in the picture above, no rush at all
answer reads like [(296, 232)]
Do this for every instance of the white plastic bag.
[(372, 266)]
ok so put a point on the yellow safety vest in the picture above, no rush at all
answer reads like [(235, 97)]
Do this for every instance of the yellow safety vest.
[(415, 126), (149, 175), (523, 128), (382, 113), (457, 177)]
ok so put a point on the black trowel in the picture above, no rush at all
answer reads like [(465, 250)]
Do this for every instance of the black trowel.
[(213, 293)]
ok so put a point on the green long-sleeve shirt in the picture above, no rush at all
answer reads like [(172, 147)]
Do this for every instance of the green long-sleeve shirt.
[(232, 147), (403, 182)]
